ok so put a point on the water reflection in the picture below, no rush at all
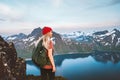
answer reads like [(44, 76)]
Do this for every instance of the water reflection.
[(106, 56), (103, 57), (60, 58), (92, 66)]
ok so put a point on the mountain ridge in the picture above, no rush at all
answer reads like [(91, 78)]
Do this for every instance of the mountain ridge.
[(72, 42)]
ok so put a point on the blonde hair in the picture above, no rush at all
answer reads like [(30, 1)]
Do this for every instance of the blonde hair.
[(46, 40)]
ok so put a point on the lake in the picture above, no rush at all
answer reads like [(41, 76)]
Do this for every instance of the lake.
[(92, 66)]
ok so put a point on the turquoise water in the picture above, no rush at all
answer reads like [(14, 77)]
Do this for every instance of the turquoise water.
[(105, 66)]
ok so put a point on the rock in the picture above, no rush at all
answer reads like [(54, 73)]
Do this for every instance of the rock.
[(11, 67)]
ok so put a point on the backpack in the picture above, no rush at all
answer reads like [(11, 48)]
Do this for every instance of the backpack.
[(39, 55)]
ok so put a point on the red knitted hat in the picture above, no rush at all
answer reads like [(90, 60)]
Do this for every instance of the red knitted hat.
[(46, 29)]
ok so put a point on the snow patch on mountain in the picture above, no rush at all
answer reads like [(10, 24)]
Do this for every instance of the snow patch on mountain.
[(11, 38), (72, 34), (118, 42), (113, 36), (77, 36), (109, 33)]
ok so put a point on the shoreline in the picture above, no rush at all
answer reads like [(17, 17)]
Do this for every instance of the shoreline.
[(84, 53)]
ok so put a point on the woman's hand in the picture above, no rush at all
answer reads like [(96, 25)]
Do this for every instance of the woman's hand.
[(54, 69)]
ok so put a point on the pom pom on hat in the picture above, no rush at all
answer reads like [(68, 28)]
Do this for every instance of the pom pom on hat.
[(46, 29)]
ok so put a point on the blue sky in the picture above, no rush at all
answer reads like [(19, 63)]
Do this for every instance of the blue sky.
[(62, 15)]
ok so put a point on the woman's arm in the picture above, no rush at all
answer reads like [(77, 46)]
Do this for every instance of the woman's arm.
[(51, 59)]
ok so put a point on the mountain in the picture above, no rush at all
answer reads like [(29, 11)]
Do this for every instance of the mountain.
[(14, 37), (77, 36), (100, 40), (25, 43), (73, 42), (36, 32), (108, 40)]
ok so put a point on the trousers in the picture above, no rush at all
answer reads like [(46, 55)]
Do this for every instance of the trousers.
[(47, 74)]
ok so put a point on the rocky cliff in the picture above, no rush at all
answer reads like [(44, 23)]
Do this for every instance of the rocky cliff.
[(11, 67)]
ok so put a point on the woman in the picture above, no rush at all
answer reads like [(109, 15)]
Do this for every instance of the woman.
[(49, 69)]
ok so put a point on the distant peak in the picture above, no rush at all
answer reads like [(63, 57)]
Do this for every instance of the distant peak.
[(1, 39), (35, 32), (37, 29), (100, 32), (115, 29)]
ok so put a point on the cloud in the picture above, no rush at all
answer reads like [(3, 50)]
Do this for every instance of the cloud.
[(1, 20), (4, 9), (8, 28), (57, 3), (103, 3), (114, 2), (8, 13)]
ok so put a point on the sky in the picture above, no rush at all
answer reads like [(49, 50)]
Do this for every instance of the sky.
[(63, 16)]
